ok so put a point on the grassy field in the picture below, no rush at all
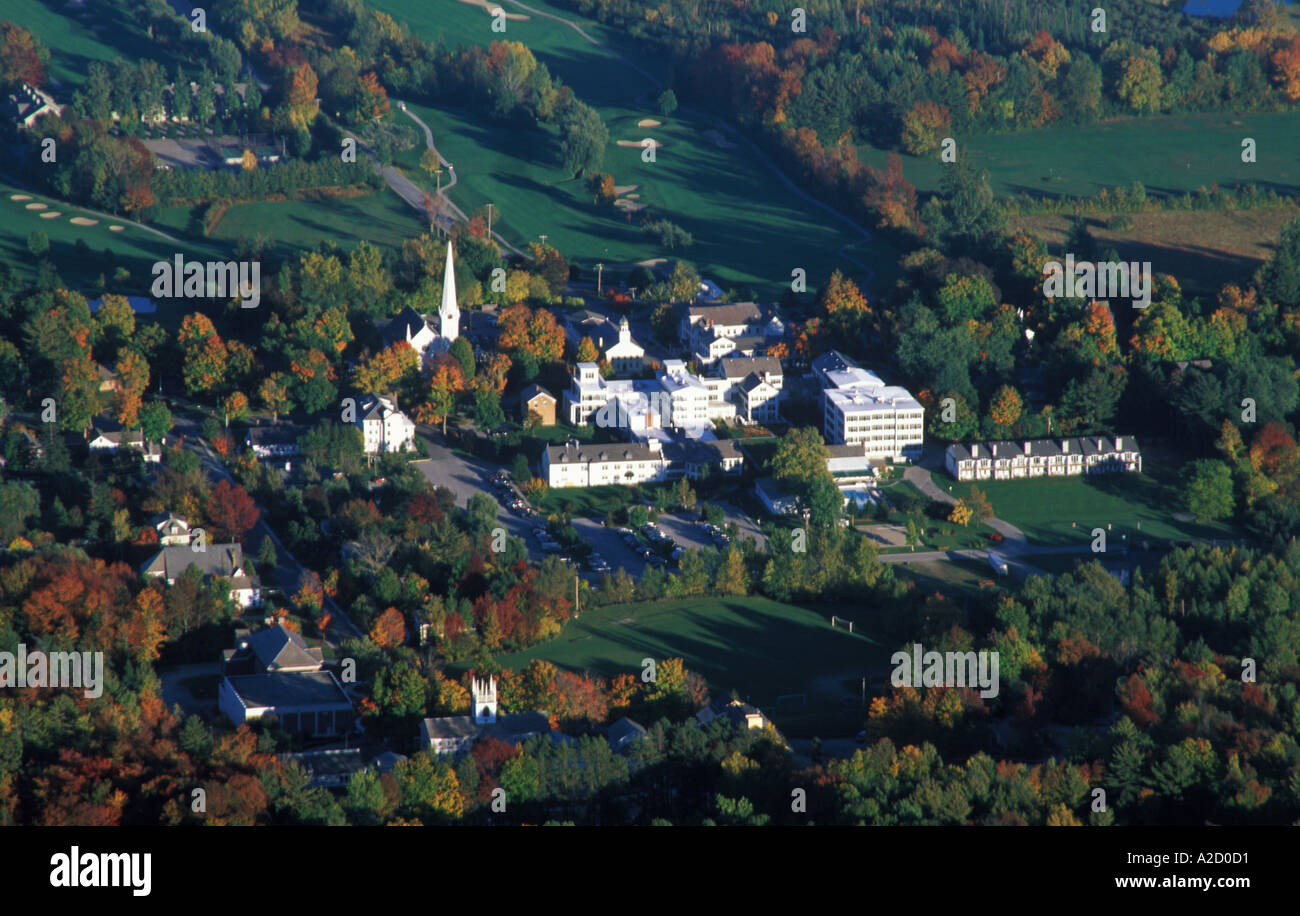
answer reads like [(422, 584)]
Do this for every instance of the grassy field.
[(726, 198), (383, 218), (1169, 154), (133, 248), (1202, 249), (954, 578), (76, 37), (760, 648), (1065, 510)]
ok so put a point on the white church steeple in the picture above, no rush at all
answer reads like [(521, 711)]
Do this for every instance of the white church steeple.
[(485, 700), (449, 312)]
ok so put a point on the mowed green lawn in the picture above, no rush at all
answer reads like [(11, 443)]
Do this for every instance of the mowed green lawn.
[(1065, 510), (1169, 154), (749, 230), (133, 248), (760, 648), (78, 35), (382, 218)]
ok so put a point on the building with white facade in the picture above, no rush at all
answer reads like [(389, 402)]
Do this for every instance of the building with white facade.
[(418, 331), (741, 329), (111, 442), (860, 409), (1043, 457), (752, 383), (615, 343), (224, 561), (384, 428), (456, 734), (577, 465), (674, 398)]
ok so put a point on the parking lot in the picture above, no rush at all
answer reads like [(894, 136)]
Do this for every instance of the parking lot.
[(609, 544), (465, 477)]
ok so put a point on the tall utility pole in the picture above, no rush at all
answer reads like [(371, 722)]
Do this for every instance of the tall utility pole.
[(575, 595), (599, 271), (489, 210), (438, 173)]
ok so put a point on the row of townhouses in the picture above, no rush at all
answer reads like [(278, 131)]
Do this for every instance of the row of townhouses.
[(858, 408), (1043, 457)]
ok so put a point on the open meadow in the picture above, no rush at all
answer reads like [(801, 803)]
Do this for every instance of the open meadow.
[(760, 648)]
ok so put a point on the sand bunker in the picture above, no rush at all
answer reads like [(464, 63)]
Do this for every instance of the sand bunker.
[(629, 206), (52, 214), (719, 140), (652, 263), (621, 189), (649, 122), (37, 206), (20, 197), (83, 221), (116, 228), (634, 197), (658, 144), (492, 7)]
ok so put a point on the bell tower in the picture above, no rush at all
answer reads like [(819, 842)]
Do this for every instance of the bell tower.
[(485, 701)]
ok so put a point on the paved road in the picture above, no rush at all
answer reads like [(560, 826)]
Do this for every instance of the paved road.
[(919, 477), (412, 193), (467, 476), (175, 693), (290, 574)]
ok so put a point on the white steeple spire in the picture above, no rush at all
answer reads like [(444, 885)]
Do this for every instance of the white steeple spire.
[(449, 312)]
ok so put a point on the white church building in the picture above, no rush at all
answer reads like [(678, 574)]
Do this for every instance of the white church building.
[(414, 328), (457, 734)]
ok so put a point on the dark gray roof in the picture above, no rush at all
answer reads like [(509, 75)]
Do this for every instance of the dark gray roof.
[(290, 690), (1048, 448), (512, 727), (609, 451), (406, 323), (623, 732), (216, 560), (751, 382), (742, 366), (832, 361), (695, 451), (736, 313), (279, 647), (533, 391), (275, 435)]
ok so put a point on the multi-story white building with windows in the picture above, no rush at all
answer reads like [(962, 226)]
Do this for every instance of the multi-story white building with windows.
[(753, 384), (674, 398), (575, 465), (715, 331), (384, 428), (860, 409)]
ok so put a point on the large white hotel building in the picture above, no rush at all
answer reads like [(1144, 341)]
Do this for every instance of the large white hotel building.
[(860, 409)]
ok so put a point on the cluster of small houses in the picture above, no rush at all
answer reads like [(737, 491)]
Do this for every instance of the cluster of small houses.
[(274, 675)]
